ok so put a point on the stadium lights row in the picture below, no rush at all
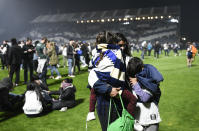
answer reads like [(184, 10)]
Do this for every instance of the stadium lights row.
[(123, 19)]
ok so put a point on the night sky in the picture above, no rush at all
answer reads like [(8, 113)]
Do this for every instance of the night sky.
[(15, 13)]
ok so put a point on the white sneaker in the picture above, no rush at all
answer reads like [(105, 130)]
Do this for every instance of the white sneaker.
[(63, 109), (58, 77), (90, 116), (51, 77), (138, 127)]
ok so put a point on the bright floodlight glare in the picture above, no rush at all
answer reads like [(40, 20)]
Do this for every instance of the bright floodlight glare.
[(143, 18), (102, 20), (131, 18), (174, 20), (156, 17), (82, 21), (92, 21), (98, 20), (169, 16), (120, 19), (161, 17), (113, 19), (77, 22), (149, 18)]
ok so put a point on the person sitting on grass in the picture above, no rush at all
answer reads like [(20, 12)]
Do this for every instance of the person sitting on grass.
[(35, 102), (66, 94), (145, 80), (8, 99)]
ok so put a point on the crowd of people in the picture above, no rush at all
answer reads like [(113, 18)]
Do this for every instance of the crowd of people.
[(113, 71)]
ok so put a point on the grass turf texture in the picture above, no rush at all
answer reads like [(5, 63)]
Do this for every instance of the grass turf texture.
[(179, 105)]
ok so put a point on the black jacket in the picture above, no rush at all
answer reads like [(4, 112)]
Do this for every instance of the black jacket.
[(15, 55), (28, 56), (70, 52), (66, 97), (5, 86)]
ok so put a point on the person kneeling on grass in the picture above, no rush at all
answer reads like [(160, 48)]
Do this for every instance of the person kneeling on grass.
[(66, 94), (145, 80)]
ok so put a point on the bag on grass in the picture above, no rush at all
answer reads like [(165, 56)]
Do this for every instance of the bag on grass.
[(124, 122)]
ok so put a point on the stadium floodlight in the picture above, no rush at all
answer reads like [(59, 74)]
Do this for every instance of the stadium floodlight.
[(161, 17), (138, 18), (82, 21), (149, 18), (125, 19), (119, 19), (108, 20), (169, 16), (131, 18), (102, 20), (88, 21), (184, 38), (113, 19), (92, 21), (156, 17), (98, 20), (152, 17), (77, 22), (143, 18)]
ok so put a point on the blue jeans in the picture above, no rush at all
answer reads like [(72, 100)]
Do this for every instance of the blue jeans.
[(70, 66), (54, 68)]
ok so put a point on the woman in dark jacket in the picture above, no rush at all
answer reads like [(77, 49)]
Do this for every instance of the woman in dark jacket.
[(66, 96)]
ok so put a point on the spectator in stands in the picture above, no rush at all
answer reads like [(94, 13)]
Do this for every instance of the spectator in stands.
[(15, 57), (157, 47), (4, 51), (28, 51), (53, 59), (70, 57), (42, 59)]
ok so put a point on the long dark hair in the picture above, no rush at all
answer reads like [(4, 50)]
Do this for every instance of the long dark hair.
[(32, 86), (121, 37)]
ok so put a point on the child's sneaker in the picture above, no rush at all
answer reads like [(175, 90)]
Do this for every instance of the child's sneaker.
[(63, 109), (90, 116), (51, 77)]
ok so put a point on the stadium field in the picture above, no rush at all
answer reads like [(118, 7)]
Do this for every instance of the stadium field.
[(179, 103)]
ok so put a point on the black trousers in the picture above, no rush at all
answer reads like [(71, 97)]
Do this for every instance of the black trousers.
[(15, 68), (28, 65)]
